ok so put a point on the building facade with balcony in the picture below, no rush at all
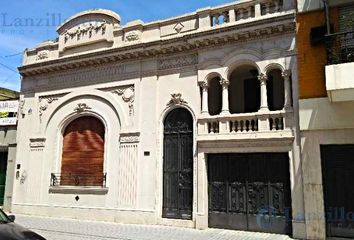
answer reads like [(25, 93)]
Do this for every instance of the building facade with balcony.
[(325, 43), (189, 121)]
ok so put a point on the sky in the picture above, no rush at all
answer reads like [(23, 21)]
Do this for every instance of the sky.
[(16, 35)]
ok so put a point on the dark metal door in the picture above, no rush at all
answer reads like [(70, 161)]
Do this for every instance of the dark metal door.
[(3, 168), (250, 192), (338, 181), (178, 165)]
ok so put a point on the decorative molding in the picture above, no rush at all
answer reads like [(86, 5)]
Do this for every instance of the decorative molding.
[(130, 137), (44, 54), (81, 107), (128, 95), (22, 107), (132, 36), (178, 27), (90, 30), (203, 85), (224, 82), (178, 62), (45, 101), (75, 77), (286, 73), (199, 40), (176, 99), (262, 77), (37, 144)]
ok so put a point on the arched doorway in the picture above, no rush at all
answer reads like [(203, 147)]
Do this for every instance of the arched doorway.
[(178, 165), (214, 96), (83, 153), (275, 90), (244, 90)]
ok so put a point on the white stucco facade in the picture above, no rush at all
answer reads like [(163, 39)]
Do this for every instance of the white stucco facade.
[(130, 77)]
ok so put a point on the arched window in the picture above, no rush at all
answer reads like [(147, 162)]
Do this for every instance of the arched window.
[(83, 153), (214, 96), (244, 90), (275, 90)]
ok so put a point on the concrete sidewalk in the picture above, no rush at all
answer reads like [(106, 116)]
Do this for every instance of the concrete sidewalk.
[(68, 229)]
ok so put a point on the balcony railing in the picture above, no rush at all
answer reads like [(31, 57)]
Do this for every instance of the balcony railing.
[(340, 48), (73, 179), (234, 13), (245, 123)]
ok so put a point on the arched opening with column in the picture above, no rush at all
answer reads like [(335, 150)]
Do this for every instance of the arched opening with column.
[(275, 90), (83, 153), (244, 89), (214, 96)]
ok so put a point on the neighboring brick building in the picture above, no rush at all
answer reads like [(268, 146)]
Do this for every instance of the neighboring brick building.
[(326, 104), (8, 125)]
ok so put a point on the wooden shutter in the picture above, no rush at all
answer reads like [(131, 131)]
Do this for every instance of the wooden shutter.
[(83, 152)]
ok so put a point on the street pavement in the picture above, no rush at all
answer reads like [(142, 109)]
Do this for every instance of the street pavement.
[(69, 229)]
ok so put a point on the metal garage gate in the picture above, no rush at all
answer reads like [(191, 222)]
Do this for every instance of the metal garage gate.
[(250, 192), (338, 181)]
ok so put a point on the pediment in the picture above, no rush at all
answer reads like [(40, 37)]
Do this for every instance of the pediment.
[(92, 27)]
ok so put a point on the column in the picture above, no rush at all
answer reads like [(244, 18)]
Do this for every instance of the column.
[(257, 10), (232, 15), (225, 96), (287, 89), (204, 86), (264, 99)]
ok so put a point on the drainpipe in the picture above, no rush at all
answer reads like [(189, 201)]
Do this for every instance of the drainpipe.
[(326, 9)]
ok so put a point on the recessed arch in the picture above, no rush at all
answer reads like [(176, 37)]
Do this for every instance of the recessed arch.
[(214, 95), (178, 168), (275, 89), (244, 89), (83, 152), (96, 95), (273, 66)]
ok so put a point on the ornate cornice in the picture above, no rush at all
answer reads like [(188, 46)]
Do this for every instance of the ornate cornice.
[(193, 41)]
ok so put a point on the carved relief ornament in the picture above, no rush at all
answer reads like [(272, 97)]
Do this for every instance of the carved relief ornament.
[(129, 137), (88, 30), (81, 107), (132, 36), (177, 62), (128, 95), (176, 99)]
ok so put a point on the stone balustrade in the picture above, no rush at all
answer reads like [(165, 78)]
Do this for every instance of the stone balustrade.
[(246, 123), (245, 10)]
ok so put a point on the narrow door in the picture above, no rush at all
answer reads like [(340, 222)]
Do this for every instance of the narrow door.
[(3, 167), (178, 165), (338, 181)]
